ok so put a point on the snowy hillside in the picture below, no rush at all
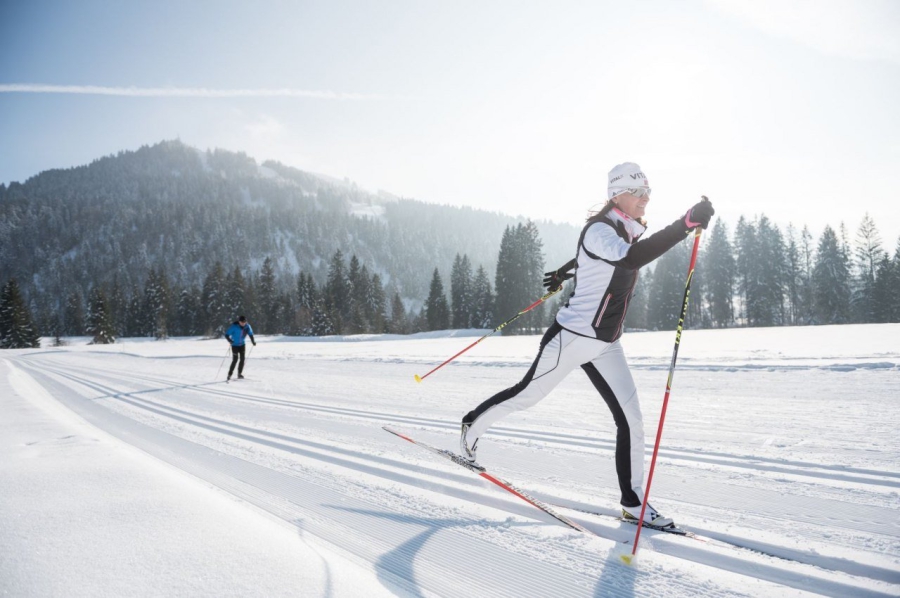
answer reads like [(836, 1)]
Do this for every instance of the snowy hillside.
[(780, 451), (172, 206)]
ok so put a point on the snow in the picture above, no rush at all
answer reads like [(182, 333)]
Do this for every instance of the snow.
[(128, 469), (85, 515), (368, 210), (267, 173)]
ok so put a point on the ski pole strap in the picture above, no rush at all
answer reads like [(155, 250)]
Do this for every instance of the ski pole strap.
[(498, 328)]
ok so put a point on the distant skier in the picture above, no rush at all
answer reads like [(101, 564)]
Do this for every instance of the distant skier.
[(587, 328), (236, 333)]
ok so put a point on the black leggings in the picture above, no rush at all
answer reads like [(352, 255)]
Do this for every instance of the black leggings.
[(235, 353)]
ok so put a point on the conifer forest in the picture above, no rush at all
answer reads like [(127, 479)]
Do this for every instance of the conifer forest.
[(172, 241)]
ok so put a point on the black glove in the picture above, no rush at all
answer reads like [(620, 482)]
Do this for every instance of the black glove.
[(253, 341), (699, 215), (228, 338), (555, 279)]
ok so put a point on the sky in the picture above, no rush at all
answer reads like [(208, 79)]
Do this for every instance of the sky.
[(786, 108)]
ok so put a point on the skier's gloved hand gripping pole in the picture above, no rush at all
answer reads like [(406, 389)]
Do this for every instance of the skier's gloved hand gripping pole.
[(556, 278), (501, 326), (697, 218)]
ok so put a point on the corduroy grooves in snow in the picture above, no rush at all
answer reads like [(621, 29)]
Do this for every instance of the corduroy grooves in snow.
[(131, 469)]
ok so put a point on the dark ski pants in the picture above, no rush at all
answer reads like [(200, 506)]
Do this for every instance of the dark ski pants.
[(604, 363), (235, 353)]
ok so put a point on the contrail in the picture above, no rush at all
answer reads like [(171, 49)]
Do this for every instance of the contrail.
[(183, 92)]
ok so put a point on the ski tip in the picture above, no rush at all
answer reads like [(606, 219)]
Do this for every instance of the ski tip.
[(417, 378), (628, 559)]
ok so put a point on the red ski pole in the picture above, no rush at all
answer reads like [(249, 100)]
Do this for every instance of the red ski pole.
[(506, 323), (662, 417)]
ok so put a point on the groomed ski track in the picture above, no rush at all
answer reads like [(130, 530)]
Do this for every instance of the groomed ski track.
[(313, 455)]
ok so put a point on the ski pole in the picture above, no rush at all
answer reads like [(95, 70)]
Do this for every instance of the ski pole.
[(506, 323), (223, 363), (662, 417)]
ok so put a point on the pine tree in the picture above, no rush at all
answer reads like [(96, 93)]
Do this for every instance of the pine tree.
[(766, 306), (437, 311), (361, 312), (134, 317), (805, 313), (284, 311), (520, 266), (118, 307), (482, 301), (376, 306), (156, 304), (506, 277), (792, 276), (667, 291), (418, 321), (884, 291), (74, 314), (337, 293), (235, 293), (868, 256), (831, 285), (355, 322), (306, 302), (532, 277), (322, 324), (895, 293), (697, 313), (461, 291), (16, 328), (267, 293), (214, 303), (100, 324), (718, 263), (313, 297), (745, 246), (398, 323), (251, 299), (187, 311)]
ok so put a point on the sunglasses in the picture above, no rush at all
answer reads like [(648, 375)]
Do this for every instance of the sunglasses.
[(638, 192)]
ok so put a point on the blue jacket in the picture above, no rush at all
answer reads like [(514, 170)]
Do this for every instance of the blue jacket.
[(236, 334)]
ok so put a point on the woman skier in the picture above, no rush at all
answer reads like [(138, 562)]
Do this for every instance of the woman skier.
[(588, 327)]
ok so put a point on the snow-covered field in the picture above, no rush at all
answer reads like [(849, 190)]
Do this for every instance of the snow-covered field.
[(131, 470)]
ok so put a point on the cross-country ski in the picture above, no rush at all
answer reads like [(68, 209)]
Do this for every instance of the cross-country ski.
[(505, 485)]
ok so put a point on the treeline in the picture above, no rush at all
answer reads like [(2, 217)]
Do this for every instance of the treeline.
[(759, 276), (352, 300), (763, 276)]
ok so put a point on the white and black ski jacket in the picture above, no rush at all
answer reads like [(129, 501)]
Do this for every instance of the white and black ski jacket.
[(606, 269)]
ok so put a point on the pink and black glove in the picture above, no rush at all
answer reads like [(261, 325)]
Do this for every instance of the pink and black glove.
[(699, 215)]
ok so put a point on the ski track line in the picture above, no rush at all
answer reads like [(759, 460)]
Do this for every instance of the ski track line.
[(799, 468), (856, 517), (736, 565), (429, 558), (657, 365), (765, 548)]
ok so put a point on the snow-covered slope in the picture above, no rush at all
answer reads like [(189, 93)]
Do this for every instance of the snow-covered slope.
[(780, 451)]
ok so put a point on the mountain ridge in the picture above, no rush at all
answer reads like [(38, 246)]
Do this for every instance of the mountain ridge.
[(174, 206)]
